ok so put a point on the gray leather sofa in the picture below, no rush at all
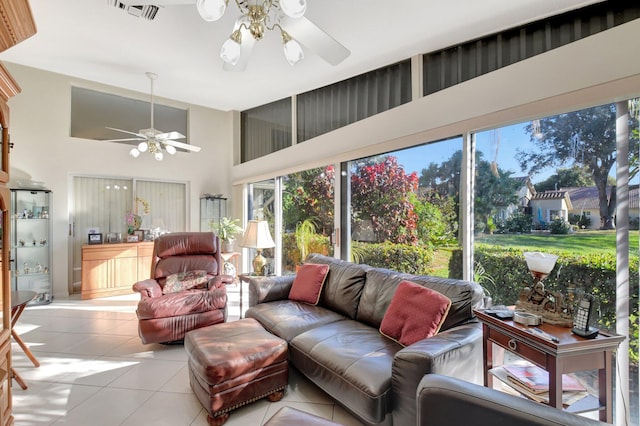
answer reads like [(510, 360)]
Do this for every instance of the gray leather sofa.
[(337, 345), (447, 401)]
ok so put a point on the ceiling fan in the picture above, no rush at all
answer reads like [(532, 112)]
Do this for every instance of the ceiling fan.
[(152, 139), (258, 16)]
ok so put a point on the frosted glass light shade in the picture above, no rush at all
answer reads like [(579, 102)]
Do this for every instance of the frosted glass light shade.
[(143, 146), (542, 263), (211, 10), (134, 153), (230, 52), (158, 156), (170, 149), (294, 8), (293, 52)]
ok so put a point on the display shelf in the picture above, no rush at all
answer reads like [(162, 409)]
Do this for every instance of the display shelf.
[(31, 253), (568, 397), (212, 209)]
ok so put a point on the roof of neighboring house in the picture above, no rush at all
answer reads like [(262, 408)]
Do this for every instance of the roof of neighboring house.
[(587, 197), (554, 195)]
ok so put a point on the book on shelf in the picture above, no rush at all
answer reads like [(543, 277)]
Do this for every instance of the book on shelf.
[(568, 397), (537, 380)]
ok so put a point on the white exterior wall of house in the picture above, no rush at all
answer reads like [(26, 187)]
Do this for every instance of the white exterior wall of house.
[(549, 210)]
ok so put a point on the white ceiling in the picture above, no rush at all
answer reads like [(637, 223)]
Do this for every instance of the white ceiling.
[(92, 40)]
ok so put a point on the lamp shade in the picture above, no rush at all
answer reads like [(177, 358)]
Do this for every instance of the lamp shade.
[(257, 235), (542, 263)]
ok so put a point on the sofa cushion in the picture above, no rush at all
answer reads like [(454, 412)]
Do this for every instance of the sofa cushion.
[(350, 361), (308, 283), (182, 281), (288, 318), (415, 313), (381, 285), (343, 286)]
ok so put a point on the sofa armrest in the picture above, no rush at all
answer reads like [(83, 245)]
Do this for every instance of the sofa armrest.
[(447, 401), (148, 288), (456, 352), (268, 289)]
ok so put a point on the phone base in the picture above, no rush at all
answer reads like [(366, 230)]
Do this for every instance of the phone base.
[(590, 333)]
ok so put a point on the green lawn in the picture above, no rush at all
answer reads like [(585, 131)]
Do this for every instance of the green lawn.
[(582, 241)]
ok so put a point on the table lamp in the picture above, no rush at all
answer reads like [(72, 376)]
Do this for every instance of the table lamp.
[(257, 236)]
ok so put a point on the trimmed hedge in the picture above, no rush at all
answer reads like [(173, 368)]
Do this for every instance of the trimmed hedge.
[(408, 258)]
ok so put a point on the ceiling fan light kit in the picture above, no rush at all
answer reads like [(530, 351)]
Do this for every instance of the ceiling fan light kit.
[(154, 140), (259, 16)]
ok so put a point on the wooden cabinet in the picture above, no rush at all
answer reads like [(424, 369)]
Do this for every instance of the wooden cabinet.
[(112, 269), (16, 25)]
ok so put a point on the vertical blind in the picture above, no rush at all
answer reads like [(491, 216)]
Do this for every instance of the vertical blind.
[(328, 108), (102, 203), (265, 129), (456, 64)]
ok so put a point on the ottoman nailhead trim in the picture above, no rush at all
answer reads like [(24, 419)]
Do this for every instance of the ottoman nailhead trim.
[(233, 407)]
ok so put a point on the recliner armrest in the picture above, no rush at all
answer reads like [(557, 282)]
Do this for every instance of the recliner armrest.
[(444, 401), (220, 280), (148, 288)]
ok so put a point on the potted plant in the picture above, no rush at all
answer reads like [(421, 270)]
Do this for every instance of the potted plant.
[(227, 229)]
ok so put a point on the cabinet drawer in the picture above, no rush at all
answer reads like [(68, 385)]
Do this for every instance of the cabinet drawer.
[(109, 253), (518, 347)]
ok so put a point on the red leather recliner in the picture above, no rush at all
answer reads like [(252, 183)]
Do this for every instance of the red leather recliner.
[(164, 318)]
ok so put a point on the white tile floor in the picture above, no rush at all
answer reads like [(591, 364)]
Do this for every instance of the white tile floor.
[(95, 371)]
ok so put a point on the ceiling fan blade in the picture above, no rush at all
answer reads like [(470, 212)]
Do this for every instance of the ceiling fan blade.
[(315, 39), (123, 140), (246, 48), (170, 135), (181, 145), (126, 131)]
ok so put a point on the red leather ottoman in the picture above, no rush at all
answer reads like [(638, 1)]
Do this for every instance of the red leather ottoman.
[(235, 363)]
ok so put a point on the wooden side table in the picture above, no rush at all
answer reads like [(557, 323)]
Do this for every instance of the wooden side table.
[(570, 354), (19, 300)]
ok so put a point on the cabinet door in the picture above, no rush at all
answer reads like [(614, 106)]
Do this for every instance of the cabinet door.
[(145, 256), (124, 272), (30, 242)]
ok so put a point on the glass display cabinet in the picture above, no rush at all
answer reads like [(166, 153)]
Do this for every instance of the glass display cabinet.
[(212, 209), (31, 256)]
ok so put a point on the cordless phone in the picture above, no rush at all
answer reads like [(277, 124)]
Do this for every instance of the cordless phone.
[(583, 316)]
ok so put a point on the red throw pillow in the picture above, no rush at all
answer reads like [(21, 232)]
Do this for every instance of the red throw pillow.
[(308, 283), (415, 313)]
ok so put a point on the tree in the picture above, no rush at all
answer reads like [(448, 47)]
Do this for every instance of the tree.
[(585, 138), (494, 188), (575, 176), (309, 195), (380, 191)]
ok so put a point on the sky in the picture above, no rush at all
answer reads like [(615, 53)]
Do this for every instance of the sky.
[(506, 140)]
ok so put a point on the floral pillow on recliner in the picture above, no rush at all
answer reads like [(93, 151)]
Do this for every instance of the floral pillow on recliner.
[(182, 281)]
